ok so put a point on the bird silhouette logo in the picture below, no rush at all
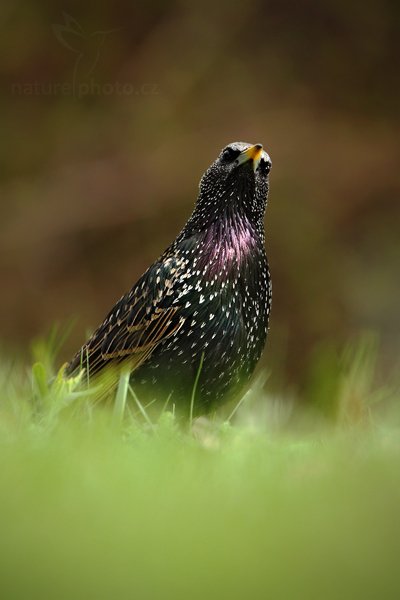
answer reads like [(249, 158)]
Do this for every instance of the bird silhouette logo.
[(87, 46)]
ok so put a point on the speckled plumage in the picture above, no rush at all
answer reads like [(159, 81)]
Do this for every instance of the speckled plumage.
[(207, 298)]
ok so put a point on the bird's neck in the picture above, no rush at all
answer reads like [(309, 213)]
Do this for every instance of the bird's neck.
[(229, 243)]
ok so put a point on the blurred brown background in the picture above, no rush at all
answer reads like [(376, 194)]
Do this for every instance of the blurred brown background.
[(110, 114)]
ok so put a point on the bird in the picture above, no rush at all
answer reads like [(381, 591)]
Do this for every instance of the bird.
[(193, 327)]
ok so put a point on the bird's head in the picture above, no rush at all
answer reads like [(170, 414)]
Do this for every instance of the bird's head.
[(237, 182), (239, 154)]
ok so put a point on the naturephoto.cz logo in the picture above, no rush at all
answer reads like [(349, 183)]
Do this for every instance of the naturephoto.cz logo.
[(87, 48)]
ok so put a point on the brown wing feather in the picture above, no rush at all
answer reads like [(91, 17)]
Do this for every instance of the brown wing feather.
[(133, 329)]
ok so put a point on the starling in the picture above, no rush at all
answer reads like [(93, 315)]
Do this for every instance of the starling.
[(200, 312)]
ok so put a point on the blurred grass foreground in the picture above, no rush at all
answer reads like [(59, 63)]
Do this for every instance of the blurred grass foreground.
[(274, 504)]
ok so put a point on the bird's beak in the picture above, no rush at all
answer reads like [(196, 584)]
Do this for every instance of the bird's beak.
[(253, 153)]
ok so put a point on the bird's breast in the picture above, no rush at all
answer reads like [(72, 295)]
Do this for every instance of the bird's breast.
[(227, 247)]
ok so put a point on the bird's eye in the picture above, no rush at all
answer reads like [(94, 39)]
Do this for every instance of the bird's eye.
[(265, 166), (229, 154)]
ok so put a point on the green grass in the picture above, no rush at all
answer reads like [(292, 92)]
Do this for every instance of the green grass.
[(101, 503)]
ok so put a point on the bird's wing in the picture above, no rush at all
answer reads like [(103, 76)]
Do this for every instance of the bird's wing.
[(139, 321)]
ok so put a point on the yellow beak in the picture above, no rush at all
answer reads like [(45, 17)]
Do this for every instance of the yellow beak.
[(253, 153)]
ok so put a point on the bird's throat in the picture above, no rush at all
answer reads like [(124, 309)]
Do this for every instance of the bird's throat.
[(229, 244)]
